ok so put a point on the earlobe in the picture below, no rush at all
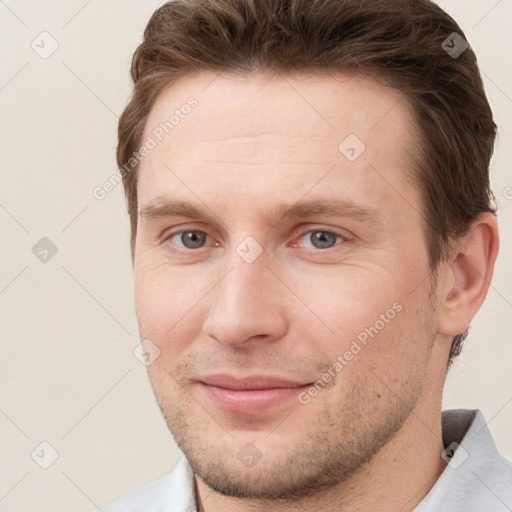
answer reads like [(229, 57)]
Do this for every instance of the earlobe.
[(469, 272)]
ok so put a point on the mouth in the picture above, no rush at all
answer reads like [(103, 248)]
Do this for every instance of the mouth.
[(249, 395)]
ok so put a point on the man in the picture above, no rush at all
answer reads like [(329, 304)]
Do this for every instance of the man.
[(312, 234)]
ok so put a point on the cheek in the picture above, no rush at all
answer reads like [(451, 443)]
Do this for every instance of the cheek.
[(168, 305), (347, 301), (372, 320), (150, 295)]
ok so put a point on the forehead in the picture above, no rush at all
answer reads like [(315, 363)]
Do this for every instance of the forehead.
[(279, 131), (329, 104)]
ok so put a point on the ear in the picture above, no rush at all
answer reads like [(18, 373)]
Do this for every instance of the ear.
[(467, 275)]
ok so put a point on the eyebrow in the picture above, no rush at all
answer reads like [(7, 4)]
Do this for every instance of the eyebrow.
[(168, 208)]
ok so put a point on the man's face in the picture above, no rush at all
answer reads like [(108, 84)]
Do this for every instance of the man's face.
[(308, 265)]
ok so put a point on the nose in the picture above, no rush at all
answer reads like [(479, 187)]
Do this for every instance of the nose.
[(247, 305)]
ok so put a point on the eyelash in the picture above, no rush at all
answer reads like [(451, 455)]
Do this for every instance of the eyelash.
[(338, 234)]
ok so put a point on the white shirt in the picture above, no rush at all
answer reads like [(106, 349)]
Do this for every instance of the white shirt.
[(476, 479)]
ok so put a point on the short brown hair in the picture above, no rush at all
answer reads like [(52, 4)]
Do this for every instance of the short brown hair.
[(402, 43)]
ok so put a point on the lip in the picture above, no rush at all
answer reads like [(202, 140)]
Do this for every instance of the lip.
[(249, 395)]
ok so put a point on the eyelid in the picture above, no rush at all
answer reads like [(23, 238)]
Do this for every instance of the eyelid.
[(167, 235), (335, 231), (180, 228), (332, 231)]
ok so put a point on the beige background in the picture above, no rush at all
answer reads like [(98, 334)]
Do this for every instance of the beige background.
[(68, 328)]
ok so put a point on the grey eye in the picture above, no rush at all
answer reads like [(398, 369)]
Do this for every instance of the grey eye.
[(322, 239), (192, 239)]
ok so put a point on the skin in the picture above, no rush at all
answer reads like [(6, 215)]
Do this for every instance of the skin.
[(371, 438)]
